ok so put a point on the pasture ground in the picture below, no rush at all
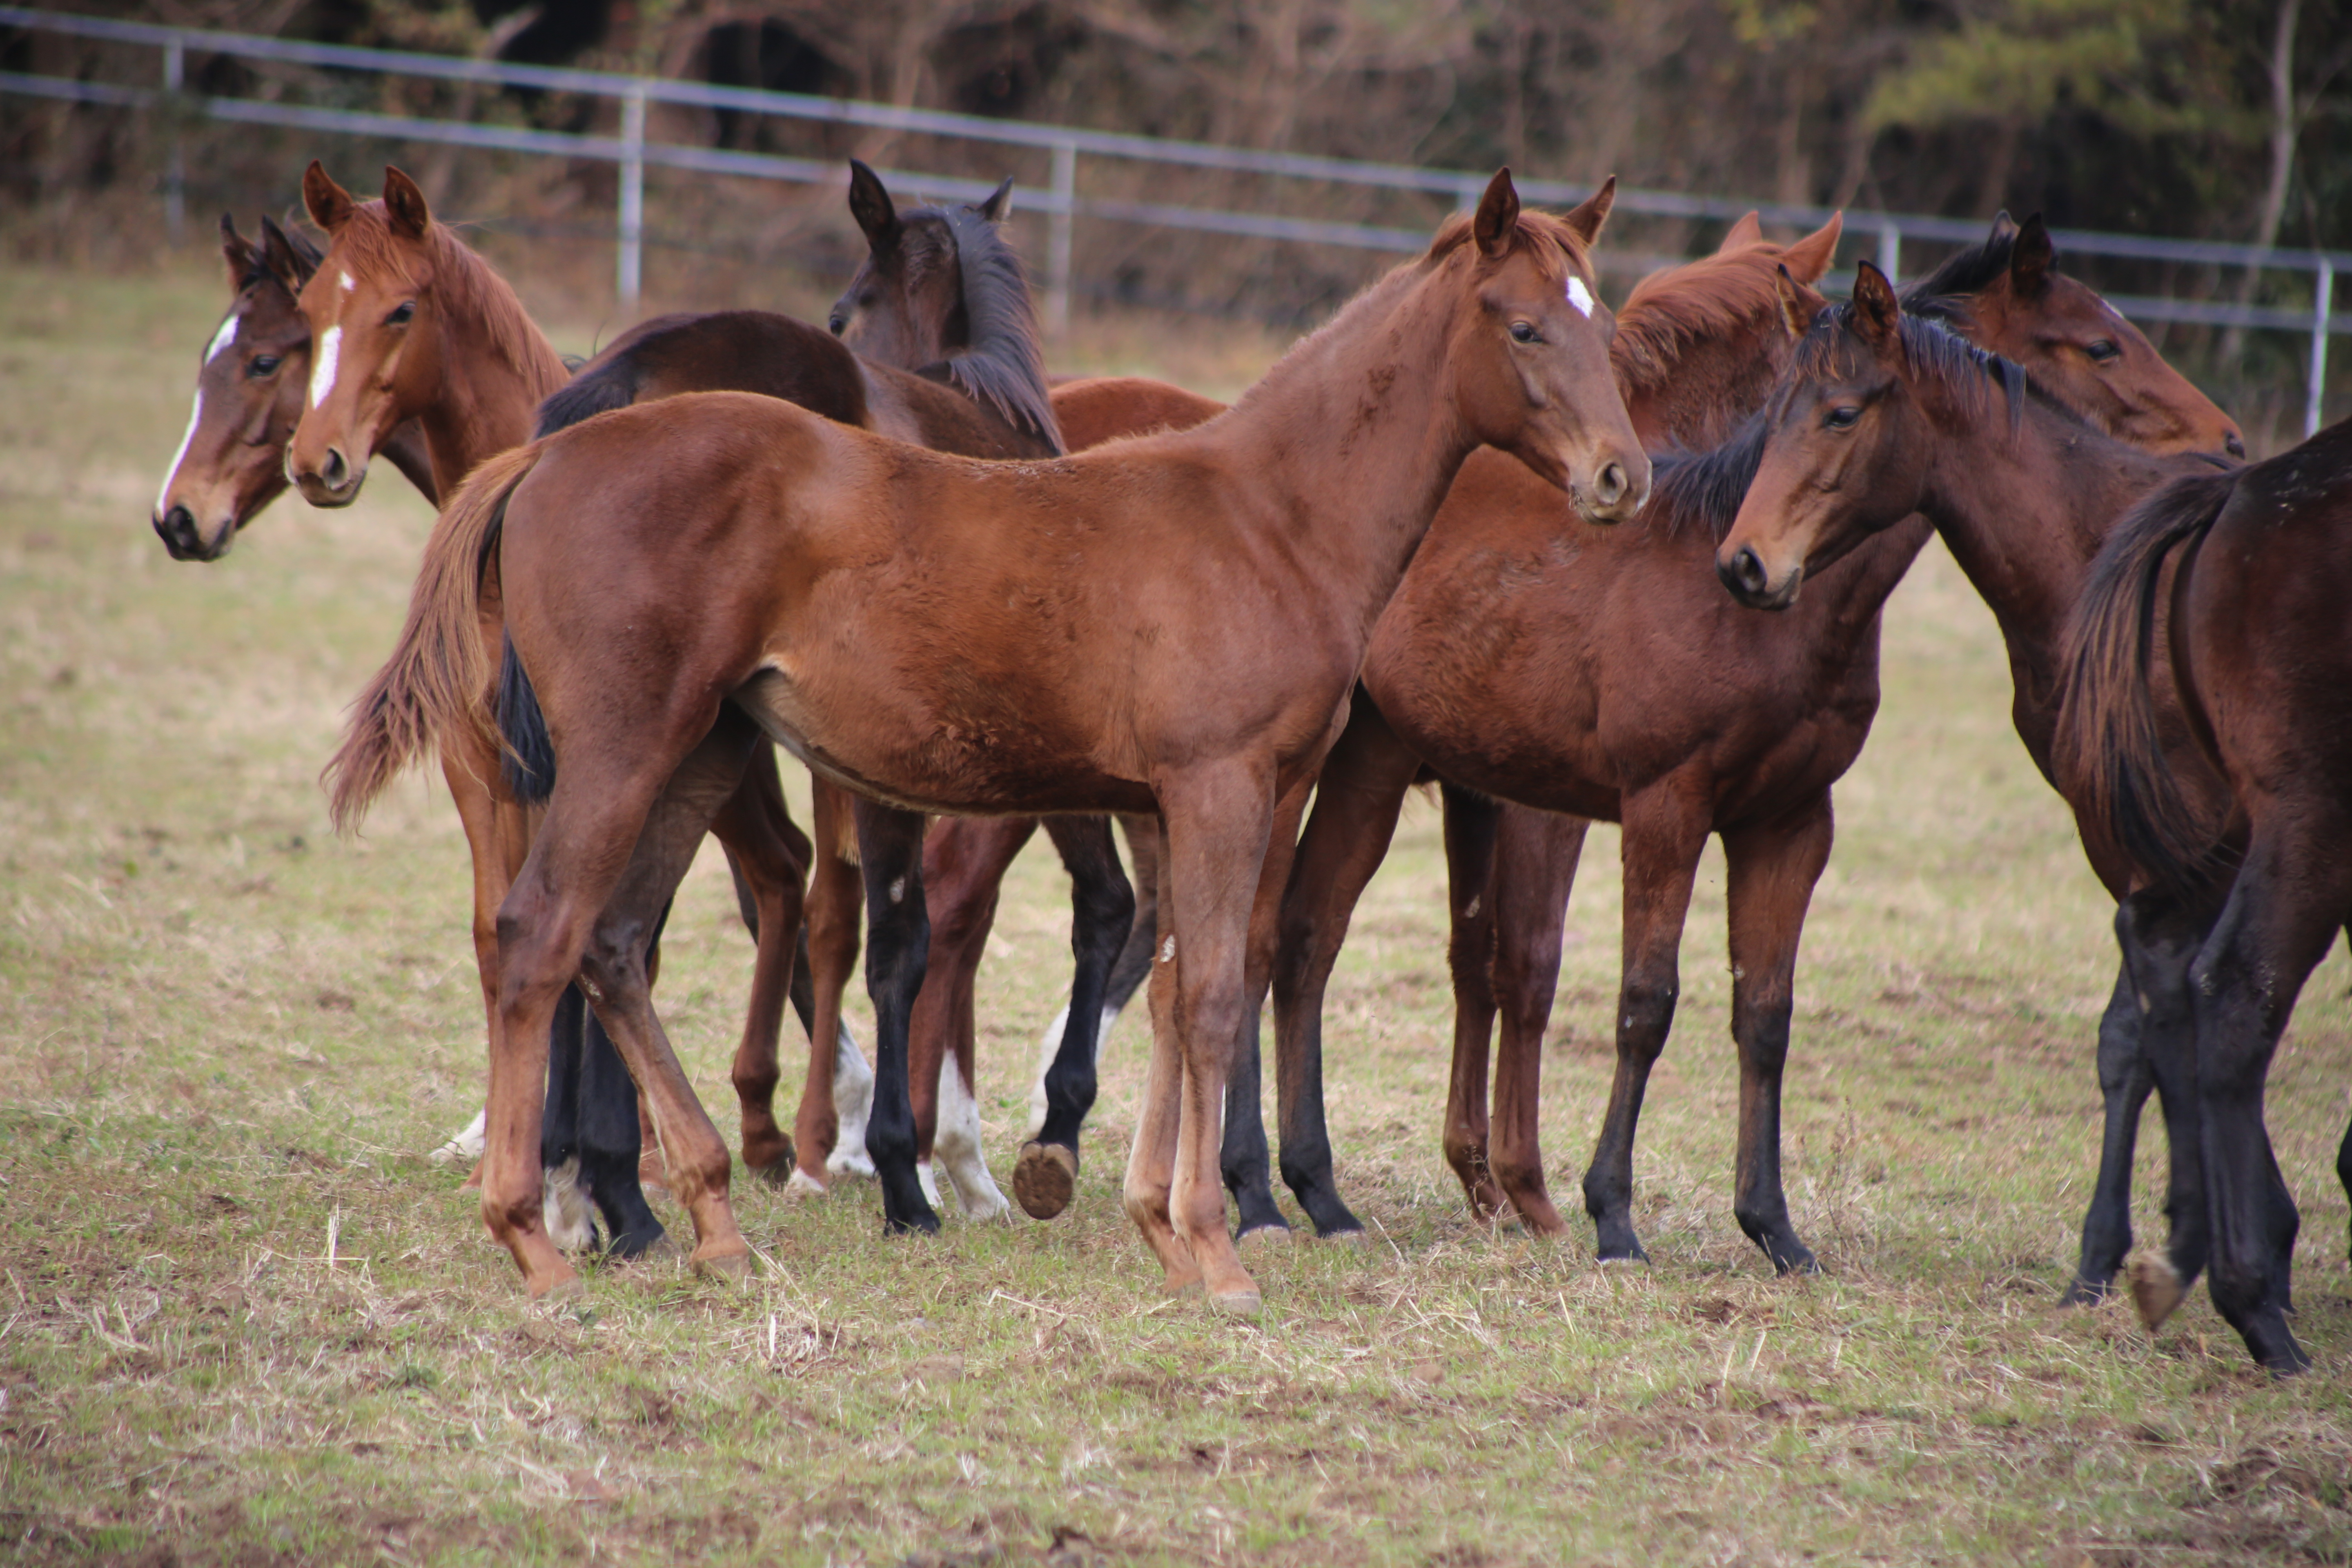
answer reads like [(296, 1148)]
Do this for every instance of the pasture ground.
[(242, 1320)]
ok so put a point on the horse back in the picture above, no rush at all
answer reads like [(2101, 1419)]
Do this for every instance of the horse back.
[(732, 351)]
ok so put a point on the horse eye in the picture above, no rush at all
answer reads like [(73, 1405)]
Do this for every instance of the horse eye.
[(400, 318), (838, 323), (1843, 417), (2103, 351), (1524, 332), (262, 365)]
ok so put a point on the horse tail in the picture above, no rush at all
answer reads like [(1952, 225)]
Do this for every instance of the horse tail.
[(437, 682), (600, 389), (529, 761), (2109, 736)]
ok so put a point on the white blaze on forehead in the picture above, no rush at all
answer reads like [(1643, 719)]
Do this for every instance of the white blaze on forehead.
[(223, 338), (1579, 295), (347, 280), (195, 417), (322, 375)]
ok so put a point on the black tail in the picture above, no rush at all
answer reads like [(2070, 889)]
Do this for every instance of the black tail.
[(607, 386), (2108, 735), (530, 765)]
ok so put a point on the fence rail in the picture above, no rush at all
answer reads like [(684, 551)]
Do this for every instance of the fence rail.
[(632, 150)]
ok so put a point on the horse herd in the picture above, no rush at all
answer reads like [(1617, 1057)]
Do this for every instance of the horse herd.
[(956, 589)]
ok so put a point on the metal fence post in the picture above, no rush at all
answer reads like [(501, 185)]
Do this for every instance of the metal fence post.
[(1890, 252), (2323, 301), (631, 267), (1057, 238), (176, 170)]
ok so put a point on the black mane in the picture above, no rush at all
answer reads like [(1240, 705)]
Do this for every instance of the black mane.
[(1944, 294), (1706, 488), (1935, 352), (1004, 366)]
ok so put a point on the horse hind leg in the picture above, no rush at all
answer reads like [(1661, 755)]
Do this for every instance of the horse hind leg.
[(1534, 874), (1102, 914), (890, 856), (2125, 1081), (1129, 971), (829, 1128), (1472, 824), (2160, 937), (769, 857)]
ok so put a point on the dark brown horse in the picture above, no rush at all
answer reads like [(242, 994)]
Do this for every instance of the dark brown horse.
[(2247, 574), (1884, 414), (1169, 625), (232, 461)]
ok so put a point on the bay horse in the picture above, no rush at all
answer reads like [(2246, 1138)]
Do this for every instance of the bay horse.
[(1884, 414), (410, 324), (2259, 661), (231, 463), (1169, 625)]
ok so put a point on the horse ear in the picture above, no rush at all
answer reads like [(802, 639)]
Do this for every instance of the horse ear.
[(238, 252), (2003, 228), (871, 206), (1811, 257), (1878, 314), (1747, 231), (1497, 217), (289, 260), (403, 204), (1586, 217), (328, 205), (1796, 309), (2031, 258), (999, 205)]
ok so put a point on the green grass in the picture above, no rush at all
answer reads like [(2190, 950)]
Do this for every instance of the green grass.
[(227, 1036)]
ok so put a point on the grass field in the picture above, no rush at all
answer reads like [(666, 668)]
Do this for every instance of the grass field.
[(242, 1321)]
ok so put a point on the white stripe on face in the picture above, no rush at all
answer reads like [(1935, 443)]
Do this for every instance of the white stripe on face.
[(222, 338), (195, 417), (322, 375), (1579, 295), (347, 280)]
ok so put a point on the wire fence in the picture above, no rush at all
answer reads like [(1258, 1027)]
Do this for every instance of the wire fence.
[(632, 150)]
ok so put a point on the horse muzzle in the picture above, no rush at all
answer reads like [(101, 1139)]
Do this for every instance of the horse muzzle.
[(1614, 492), (185, 541), (1750, 581)]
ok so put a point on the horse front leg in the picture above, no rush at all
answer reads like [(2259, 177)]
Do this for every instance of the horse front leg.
[(898, 939), (1536, 860), (964, 861), (1665, 827), (829, 1128), (1102, 914), (1472, 822), (2125, 1081), (1772, 868), (1129, 971), (2160, 936), (1244, 1158)]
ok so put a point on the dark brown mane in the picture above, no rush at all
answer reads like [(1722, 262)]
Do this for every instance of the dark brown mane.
[(1669, 311), (467, 285)]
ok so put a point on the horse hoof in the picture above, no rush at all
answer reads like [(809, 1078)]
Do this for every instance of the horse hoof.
[(1275, 1233), (801, 1184), (727, 1268), (777, 1172), (562, 1283), (2157, 1288), (1046, 1179), (1239, 1303), (2081, 1292)]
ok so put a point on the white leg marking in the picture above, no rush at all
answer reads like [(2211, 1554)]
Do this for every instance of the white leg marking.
[(799, 1181), (195, 417), (853, 1097), (464, 1144), (956, 1146), (930, 1184), (322, 375), (563, 1206)]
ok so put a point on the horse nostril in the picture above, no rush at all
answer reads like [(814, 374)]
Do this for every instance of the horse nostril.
[(2233, 445), (334, 469), (1610, 487), (1748, 571), (177, 529)]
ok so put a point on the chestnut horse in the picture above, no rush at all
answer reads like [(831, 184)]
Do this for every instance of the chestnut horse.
[(232, 461), (2269, 699), (1884, 414), (1168, 625), (410, 324)]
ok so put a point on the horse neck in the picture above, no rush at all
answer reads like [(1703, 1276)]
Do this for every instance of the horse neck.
[(1713, 383), (1354, 440), (495, 367), (2023, 517), (909, 406)]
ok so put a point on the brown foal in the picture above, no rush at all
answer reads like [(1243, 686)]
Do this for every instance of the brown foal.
[(1170, 625)]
